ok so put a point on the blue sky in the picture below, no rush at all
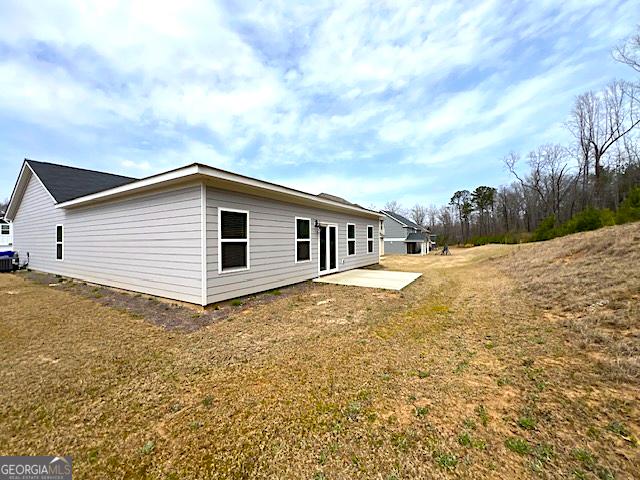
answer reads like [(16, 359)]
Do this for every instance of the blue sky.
[(405, 101)]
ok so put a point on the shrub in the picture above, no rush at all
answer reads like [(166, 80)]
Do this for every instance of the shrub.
[(546, 230), (507, 238), (589, 219), (629, 210)]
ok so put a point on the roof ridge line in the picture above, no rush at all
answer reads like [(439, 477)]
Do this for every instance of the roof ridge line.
[(79, 168)]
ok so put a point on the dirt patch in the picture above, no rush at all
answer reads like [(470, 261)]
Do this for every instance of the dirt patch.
[(164, 313)]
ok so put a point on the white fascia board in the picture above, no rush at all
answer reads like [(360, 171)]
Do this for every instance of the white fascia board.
[(20, 186), (9, 213), (133, 186), (212, 173)]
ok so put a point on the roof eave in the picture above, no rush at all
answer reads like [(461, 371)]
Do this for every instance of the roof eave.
[(205, 172)]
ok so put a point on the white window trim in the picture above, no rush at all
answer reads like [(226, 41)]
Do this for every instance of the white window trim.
[(370, 239), (296, 240), (355, 243), (61, 243), (221, 241)]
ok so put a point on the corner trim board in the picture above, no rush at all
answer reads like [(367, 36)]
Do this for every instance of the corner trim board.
[(203, 244)]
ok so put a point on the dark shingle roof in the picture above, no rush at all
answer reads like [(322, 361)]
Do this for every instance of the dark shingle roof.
[(401, 219), (66, 183), (416, 237)]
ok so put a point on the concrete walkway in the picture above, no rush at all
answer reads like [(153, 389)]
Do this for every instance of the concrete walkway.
[(371, 278)]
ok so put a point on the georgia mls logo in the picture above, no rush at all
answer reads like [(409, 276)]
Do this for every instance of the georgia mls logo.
[(60, 466), (35, 468)]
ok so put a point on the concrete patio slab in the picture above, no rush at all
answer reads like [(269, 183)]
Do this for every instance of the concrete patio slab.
[(371, 278)]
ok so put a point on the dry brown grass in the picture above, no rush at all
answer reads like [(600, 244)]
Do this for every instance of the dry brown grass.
[(591, 283), (329, 382)]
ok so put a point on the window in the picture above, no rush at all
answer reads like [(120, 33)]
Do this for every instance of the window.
[(351, 239), (5, 229), (59, 242), (303, 239), (233, 240), (370, 238)]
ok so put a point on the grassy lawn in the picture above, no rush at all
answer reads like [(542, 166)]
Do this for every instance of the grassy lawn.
[(499, 362)]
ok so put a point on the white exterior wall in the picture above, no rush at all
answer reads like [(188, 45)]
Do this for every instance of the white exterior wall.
[(153, 242), (272, 244), (149, 243)]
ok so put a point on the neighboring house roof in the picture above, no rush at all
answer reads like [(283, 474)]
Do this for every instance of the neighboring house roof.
[(66, 183), (103, 186), (335, 198), (416, 237), (401, 219)]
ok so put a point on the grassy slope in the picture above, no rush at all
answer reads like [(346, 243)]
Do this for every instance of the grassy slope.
[(591, 283), (462, 374)]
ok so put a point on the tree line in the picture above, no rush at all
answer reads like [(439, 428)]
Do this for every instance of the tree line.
[(554, 183)]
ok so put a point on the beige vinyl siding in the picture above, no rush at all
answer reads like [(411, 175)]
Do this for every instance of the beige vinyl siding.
[(149, 243), (272, 244)]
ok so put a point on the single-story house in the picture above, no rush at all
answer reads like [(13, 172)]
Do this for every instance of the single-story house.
[(403, 236), (6, 236), (196, 234)]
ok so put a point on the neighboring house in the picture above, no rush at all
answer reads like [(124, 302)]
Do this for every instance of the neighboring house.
[(196, 234), (403, 236), (6, 234)]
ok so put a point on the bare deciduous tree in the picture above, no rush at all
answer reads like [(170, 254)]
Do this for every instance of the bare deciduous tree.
[(549, 176), (393, 206), (629, 52), (3, 206), (600, 120), (418, 214), (599, 169), (432, 214)]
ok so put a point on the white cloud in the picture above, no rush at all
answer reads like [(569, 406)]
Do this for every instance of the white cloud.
[(367, 186), (132, 165), (135, 161), (272, 86)]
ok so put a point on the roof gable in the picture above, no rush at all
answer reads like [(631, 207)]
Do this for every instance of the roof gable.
[(66, 183)]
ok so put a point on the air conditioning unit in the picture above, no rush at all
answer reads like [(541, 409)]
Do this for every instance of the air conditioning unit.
[(6, 264)]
